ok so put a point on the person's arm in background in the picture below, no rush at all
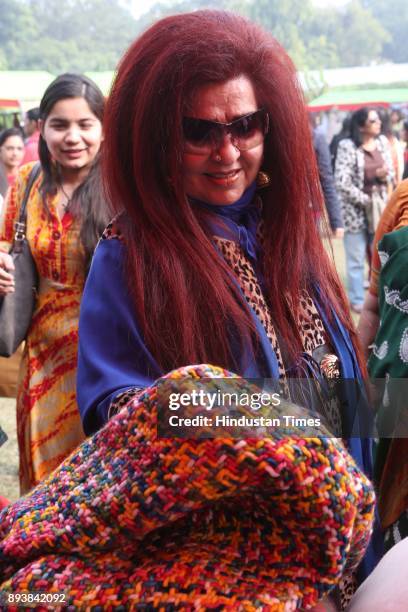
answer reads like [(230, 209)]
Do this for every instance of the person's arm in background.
[(331, 198), (368, 323), (9, 215), (394, 217)]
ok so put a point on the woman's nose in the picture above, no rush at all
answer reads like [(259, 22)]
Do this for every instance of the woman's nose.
[(226, 150), (72, 135)]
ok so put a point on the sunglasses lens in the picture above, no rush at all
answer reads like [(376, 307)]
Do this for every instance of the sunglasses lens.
[(202, 136), (249, 131), (197, 131)]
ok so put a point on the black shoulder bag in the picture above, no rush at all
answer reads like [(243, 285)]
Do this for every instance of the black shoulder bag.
[(16, 309)]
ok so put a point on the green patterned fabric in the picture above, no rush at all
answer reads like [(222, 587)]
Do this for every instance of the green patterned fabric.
[(389, 360), (390, 352)]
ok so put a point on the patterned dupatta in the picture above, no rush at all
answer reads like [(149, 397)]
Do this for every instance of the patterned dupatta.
[(389, 359)]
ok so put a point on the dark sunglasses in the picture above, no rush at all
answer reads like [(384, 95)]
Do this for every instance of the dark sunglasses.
[(202, 136)]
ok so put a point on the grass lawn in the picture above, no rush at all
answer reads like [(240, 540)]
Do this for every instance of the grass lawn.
[(9, 453)]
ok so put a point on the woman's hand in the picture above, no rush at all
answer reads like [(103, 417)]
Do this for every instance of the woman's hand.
[(6, 276), (382, 173), (369, 323), (338, 232)]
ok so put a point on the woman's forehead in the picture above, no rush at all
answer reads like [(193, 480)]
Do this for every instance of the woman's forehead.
[(224, 101), (71, 107), (13, 140)]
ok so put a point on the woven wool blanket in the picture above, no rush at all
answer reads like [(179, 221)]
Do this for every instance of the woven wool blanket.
[(131, 521)]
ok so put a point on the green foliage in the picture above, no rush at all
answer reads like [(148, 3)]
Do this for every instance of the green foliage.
[(3, 62), (78, 35), (91, 35), (350, 36), (286, 20), (393, 16)]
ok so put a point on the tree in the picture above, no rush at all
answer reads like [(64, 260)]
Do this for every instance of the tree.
[(286, 20), (358, 35), (87, 35), (78, 35), (351, 35), (17, 26), (393, 17), (160, 9), (98, 31)]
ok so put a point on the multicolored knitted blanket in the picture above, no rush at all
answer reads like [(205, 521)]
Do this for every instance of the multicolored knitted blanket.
[(134, 522)]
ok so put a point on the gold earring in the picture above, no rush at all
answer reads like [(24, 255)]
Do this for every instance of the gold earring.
[(263, 180)]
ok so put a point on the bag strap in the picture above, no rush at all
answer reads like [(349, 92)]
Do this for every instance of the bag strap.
[(20, 225)]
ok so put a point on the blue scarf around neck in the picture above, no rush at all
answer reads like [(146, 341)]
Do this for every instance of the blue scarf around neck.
[(238, 221)]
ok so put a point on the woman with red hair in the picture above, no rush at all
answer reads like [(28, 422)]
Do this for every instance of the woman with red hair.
[(213, 258)]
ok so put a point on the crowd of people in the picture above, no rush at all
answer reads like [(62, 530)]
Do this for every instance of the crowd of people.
[(177, 232)]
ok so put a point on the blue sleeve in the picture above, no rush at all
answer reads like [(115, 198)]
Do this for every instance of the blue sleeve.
[(112, 356), (327, 181)]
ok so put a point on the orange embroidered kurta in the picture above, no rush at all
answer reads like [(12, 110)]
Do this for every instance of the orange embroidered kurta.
[(48, 421)]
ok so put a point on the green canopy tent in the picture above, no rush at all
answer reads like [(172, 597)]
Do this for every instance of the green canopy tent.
[(352, 99), (26, 86)]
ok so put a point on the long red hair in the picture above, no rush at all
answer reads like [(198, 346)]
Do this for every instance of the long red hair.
[(187, 305)]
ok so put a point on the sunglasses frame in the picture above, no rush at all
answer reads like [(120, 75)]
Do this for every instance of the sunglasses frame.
[(225, 128)]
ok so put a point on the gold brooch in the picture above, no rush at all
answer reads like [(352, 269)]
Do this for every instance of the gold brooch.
[(329, 365)]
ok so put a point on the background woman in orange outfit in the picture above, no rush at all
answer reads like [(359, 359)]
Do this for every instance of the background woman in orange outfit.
[(65, 214), (11, 152)]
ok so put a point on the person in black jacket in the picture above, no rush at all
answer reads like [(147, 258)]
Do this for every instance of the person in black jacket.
[(331, 199), (334, 143), (3, 182)]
